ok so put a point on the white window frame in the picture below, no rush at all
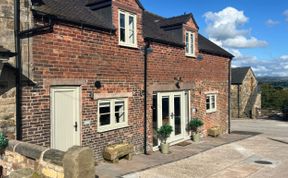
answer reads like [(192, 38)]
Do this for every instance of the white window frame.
[(113, 125), (210, 110), (127, 15), (189, 53)]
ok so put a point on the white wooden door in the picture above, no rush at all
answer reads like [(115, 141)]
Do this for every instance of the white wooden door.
[(171, 110), (65, 117)]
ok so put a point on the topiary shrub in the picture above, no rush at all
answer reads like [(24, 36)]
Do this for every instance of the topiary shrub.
[(164, 132), (194, 124)]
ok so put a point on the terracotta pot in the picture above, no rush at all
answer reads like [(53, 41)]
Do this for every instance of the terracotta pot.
[(164, 148)]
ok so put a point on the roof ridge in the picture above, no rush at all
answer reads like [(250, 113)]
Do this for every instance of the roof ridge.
[(189, 14), (151, 13)]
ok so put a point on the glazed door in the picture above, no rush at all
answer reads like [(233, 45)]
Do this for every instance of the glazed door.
[(171, 111)]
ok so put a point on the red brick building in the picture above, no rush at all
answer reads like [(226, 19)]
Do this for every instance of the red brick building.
[(89, 76)]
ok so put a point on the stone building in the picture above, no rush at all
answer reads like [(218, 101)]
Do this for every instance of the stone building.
[(245, 94), (88, 75), (7, 74)]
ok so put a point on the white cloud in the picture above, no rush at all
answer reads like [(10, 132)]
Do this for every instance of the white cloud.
[(271, 23), (243, 42), (285, 13), (224, 28), (274, 67)]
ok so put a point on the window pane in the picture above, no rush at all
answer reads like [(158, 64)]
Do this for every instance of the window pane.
[(104, 111), (191, 44), (122, 20), (131, 30), (104, 119), (119, 112), (213, 102), (187, 42), (165, 110), (122, 27), (104, 108), (207, 102)]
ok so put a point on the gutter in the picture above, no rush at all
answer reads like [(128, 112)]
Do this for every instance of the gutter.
[(18, 69), (147, 46), (229, 96)]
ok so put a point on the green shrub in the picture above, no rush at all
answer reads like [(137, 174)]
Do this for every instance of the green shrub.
[(3, 141), (164, 132), (195, 123)]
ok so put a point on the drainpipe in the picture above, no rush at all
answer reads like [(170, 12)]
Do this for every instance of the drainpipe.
[(18, 68), (229, 96), (238, 100), (147, 46)]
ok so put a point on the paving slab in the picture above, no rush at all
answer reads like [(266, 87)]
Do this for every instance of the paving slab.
[(143, 162)]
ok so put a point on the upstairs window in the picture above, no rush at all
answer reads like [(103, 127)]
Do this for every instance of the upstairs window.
[(190, 44), (127, 29), (210, 103)]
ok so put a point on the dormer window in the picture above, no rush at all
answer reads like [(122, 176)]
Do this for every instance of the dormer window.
[(190, 44), (127, 29)]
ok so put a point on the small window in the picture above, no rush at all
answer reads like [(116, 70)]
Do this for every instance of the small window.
[(210, 103), (127, 26), (190, 44), (112, 114)]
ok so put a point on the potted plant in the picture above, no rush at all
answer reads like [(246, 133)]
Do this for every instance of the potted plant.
[(163, 133), (3, 143), (194, 125)]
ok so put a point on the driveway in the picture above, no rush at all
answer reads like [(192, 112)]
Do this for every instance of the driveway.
[(244, 158)]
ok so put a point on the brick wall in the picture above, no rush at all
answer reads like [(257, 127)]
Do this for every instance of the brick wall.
[(74, 56)]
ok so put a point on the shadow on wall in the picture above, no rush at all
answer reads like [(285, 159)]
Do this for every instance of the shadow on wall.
[(7, 99)]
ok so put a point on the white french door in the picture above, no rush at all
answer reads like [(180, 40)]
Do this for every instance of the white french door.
[(171, 107)]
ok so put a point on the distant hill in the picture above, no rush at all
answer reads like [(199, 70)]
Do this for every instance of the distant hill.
[(274, 81)]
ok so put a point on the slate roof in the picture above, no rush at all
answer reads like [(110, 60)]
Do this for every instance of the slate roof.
[(238, 74), (92, 13), (153, 29), (74, 11)]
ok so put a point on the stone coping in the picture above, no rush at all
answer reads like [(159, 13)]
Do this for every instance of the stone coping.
[(36, 152)]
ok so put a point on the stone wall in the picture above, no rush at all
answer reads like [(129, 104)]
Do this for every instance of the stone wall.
[(50, 163), (7, 91), (249, 98)]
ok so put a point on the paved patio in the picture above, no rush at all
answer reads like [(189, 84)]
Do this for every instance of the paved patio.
[(142, 162)]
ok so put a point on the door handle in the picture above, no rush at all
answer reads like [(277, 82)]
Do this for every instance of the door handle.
[(76, 126)]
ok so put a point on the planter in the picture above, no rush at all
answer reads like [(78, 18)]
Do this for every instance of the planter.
[(164, 148), (196, 137)]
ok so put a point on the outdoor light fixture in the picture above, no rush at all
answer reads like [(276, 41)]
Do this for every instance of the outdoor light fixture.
[(178, 80), (98, 84), (91, 94)]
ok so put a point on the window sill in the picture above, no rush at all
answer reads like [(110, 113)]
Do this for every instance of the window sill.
[(134, 46), (190, 55), (111, 128), (211, 111)]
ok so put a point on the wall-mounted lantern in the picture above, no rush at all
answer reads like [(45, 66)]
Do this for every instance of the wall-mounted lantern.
[(98, 84), (178, 80)]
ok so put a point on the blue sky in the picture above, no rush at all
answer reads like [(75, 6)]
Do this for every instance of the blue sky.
[(255, 31)]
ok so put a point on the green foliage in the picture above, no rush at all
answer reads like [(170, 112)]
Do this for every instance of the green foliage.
[(164, 132), (195, 123), (3, 141), (274, 97)]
